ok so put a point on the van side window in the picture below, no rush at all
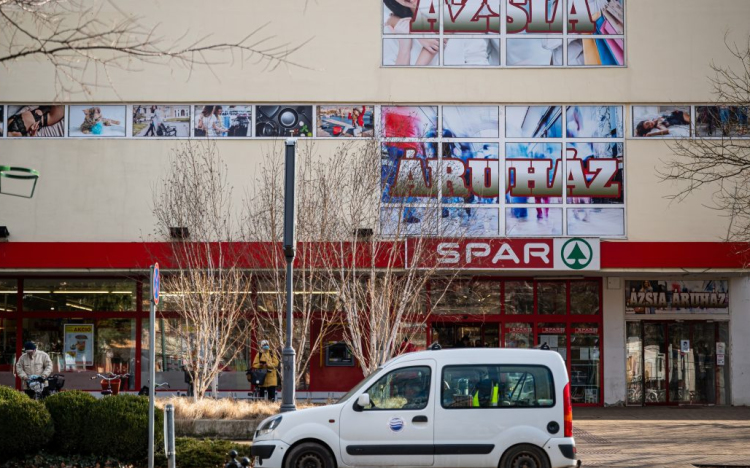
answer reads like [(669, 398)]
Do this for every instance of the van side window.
[(405, 388), (490, 386)]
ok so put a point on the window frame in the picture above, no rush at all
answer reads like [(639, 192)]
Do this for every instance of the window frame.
[(429, 390)]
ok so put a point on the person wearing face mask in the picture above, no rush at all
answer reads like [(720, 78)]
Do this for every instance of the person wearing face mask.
[(267, 359), (33, 362)]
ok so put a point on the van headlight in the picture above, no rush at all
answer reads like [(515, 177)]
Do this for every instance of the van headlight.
[(268, 426)]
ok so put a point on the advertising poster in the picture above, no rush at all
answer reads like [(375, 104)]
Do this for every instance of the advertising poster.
[(535, 52), (594, 122), (35, 121), (408, 221), (596, 52), (284, 121), (533, 221), (346, 121), (721, 121), (409, 122), (470, 173), (79, 344), (471, 52), (97, 121), (533, 173), (469, 222), (403, 171), (2, 120), (222, 121), (677, 297), (151, 120), (471, 121), (661, 121), (533, 122)]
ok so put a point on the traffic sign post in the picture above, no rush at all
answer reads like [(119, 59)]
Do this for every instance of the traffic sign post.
[(155, 285)]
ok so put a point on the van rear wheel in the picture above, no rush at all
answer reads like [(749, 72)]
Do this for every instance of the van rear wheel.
[(524, 456), (309, 455)]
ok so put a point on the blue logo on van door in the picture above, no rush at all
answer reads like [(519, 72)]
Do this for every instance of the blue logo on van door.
[(396, 424)]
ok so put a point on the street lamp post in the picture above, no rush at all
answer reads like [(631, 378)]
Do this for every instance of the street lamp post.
[(288, 355)]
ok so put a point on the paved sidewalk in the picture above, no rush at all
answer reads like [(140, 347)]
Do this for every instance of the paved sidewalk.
[(663, 437)]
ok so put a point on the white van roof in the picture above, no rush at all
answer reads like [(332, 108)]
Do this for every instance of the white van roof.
[(484, 356)]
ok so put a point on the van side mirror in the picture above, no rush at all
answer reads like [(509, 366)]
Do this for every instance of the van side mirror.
[(363, 401)]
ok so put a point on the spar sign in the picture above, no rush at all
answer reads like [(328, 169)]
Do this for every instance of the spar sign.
[(558, 254)]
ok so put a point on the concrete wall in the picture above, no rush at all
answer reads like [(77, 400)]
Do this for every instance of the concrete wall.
[(615, 389)]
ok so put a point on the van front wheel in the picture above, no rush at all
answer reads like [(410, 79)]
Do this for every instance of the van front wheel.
[(524, 456), (309, 455)]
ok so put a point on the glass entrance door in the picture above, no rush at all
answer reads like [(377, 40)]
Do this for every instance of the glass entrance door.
[(676, 363)]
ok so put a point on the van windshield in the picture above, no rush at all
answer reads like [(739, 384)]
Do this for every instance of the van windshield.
[(359, 385)]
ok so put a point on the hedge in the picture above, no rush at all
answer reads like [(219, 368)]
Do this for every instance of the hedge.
[(206, 453), (7, 393), (118, 427), (26, 426), (70, 412)]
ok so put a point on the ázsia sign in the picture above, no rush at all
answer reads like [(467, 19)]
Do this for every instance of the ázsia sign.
[(563, 254)]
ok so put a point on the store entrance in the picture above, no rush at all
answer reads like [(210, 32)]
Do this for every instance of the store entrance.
[(677, 362), (467, 335)]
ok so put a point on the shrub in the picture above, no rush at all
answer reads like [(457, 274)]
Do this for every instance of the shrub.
[(26, 426), (206, 453), (7, 393), (70, 413), (118, 427), (54, 460)]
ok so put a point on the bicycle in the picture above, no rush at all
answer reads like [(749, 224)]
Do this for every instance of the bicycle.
[(39, 391), (112, 378), (144, 390)]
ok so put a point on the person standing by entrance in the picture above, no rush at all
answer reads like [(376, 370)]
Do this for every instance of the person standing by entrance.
[(267, 359)]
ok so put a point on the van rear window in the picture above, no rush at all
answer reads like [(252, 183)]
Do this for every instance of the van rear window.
[(497, 386)]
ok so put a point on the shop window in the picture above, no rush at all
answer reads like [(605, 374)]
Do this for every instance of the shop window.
[(584, 297), (466, 298), (8, 295), (412, 337), (585, 350), (79, 295), (339, 355), (633, 365), (551, 296), (519, 297), (519, 335), (7, 351), (271, 297), (81, 348), (554, 336)]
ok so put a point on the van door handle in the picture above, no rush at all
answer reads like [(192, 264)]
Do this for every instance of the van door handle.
[(419, 419)]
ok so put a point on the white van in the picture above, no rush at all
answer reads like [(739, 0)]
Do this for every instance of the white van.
[(500, 408)]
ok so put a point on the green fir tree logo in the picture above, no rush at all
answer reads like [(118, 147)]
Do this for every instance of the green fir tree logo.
[(573, 254)]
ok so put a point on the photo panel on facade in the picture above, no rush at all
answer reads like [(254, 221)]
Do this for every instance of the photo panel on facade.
[(533, 122), (408, 221), (594, 121), (533, 221), (222, 121), (469, 222), (534, 52), (600, 17), (97, 121), (471, 121), (411, 17), (35, 121), (676, 296), (462, 52), (469, 172), (661, 121), (409, 121), (353, 121), (721, 121), (404, 171), (470, 16), (2, 121), (164, 121), (284, 120), (533, 173), (534, 17), (596, 52), (595, 173), (595, 221)]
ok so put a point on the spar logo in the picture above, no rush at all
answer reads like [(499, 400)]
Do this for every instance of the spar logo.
[(576, 253)]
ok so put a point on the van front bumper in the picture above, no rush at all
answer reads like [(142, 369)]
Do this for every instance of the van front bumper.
[(269, 453), (562, 453)]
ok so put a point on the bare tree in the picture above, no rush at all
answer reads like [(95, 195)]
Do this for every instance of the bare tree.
[(205, 283), (314, 304), (84, 49), (717, 158)]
